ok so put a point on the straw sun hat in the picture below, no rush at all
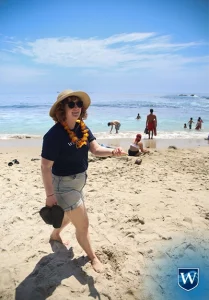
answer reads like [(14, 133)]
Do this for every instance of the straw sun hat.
[(67, 93)]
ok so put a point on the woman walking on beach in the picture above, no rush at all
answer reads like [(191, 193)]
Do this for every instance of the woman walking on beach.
[(64, 164)]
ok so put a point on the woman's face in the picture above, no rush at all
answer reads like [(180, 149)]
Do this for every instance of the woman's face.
[(73, 107), (138, 139)]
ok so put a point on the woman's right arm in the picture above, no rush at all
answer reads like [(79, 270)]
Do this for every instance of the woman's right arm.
[(140, 144), (46, 166)]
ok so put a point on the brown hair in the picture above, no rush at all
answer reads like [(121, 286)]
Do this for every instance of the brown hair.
[(60, 115)]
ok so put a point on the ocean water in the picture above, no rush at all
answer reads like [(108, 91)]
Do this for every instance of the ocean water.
[(22, 115)]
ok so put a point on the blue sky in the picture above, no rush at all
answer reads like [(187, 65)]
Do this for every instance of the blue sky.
[(140, 46)]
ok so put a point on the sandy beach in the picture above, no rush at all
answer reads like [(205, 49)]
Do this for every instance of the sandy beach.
[(143, 220)]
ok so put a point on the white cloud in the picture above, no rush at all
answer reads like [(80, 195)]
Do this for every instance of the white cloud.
[(131, 37), (19, 74), (117, 52), (131, 61)]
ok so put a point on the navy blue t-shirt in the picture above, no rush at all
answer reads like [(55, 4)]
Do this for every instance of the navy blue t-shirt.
[(58, 147)]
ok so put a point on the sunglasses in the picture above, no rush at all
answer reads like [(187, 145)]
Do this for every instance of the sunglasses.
[(72, 104)]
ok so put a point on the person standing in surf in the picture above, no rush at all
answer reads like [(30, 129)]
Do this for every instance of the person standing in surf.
[(151, 124)]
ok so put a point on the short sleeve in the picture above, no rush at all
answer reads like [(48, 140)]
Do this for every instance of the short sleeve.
[(91, 137), (50, 147)]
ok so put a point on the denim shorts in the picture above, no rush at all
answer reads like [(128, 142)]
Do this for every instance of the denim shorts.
[(69, 190)]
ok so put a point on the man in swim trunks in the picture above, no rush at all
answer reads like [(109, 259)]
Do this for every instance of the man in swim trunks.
[(151, 124), (116, 124)]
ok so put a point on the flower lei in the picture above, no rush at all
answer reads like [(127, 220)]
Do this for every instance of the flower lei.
[(79, 142)]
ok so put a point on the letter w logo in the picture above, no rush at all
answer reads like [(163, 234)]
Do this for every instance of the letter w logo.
[(188, 278)]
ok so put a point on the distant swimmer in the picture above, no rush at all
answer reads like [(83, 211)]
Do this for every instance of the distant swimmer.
[(114, 123), (138, 117), (190, 123), (151, 124), (185, 125), (199, 124)]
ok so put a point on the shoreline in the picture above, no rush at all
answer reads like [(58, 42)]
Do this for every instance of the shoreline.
[(116, 142)]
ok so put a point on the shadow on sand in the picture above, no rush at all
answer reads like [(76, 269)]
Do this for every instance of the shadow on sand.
[(51, 270)]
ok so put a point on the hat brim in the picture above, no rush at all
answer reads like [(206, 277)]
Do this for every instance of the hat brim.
[(82, 95)]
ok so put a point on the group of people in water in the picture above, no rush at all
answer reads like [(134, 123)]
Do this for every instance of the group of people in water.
[(151, 124), (150, 129), (136, 147), (198, 124)]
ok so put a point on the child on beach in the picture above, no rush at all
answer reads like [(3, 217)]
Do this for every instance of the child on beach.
[(190, 123), (65, 161), (185, 125)]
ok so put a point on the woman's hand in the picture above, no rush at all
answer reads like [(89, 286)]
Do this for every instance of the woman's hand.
[(51, 200), (118, 152)]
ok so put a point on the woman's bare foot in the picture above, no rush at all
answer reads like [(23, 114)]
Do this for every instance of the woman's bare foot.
[(97, 265), (55, 237)]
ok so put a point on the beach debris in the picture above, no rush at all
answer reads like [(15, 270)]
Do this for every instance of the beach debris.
[(187, 219), (136, 219), (138, 161), (207, 216), (166, 238), (131, 235), (33, 159), (172, 147), (14, 161)]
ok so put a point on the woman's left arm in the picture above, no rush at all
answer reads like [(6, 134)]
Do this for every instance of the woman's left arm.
[(98, 150)]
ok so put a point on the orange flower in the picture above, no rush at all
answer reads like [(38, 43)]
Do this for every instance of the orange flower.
[(74, 139), (79, 142)]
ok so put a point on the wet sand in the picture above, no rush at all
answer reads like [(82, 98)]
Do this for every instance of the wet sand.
[(122, 142)]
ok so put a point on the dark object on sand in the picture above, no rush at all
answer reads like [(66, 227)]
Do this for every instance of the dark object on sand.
[(172, 147), (52, 215), (146, 131), (138, 161), (14, 161)]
